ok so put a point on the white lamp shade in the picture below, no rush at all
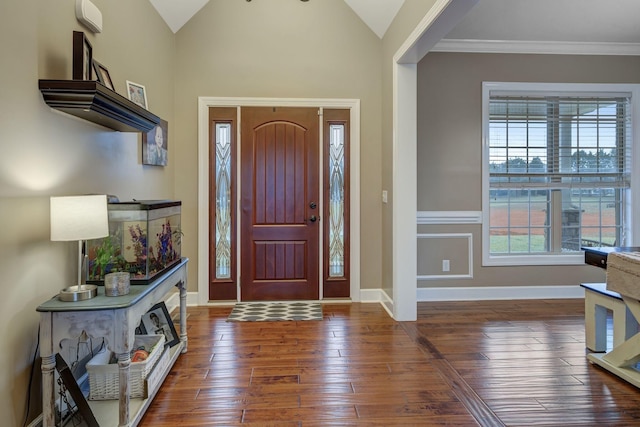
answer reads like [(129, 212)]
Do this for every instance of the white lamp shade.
[(79, 217)]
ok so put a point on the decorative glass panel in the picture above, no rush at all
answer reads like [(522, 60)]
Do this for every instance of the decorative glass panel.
[(336, 200), (223, 200)]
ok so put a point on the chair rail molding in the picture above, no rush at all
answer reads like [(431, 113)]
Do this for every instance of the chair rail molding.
[(449, 217)]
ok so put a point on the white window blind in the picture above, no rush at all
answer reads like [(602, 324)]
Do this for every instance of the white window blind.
[(557, 170), (559, 142)]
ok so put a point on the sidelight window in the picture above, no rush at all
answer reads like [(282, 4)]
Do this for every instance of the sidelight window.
[(336, 200), (223, 200)]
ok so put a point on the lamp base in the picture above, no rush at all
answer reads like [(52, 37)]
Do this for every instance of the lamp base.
[(78, 293)]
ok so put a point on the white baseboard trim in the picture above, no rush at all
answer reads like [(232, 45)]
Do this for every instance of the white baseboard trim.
[(371, 295), (377, 296), (173, 302), (387, 303), (433, 294), (192, 299), (500, 293)]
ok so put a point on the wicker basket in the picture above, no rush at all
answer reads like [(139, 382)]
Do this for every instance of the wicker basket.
[(104, 378)]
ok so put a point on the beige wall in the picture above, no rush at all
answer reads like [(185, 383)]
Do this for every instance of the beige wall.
[(408, 17), (48, 153), (281, 49), (449, 147)]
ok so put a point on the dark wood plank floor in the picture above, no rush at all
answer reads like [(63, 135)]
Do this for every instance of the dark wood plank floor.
[(498, 363)]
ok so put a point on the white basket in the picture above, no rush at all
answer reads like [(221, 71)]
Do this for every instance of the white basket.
[(104, 378), (156, 376)]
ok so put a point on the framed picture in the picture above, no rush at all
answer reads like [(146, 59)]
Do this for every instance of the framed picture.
[(82, 57), (155, 145), (82, 407), (103, 74), (157, 321), (137, 94)]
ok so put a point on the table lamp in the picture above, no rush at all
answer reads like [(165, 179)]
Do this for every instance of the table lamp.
[(79, 218)]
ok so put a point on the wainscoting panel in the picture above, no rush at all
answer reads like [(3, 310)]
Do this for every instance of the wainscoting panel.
[(437, 249)]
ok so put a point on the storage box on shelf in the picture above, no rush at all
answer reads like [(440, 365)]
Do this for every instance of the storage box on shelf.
[(144, 239), (104, 376)]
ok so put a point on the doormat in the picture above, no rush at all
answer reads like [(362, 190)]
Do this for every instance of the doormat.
[(275, 311)]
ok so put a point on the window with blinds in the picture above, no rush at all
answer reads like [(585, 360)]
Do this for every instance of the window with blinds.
[(558, 170)]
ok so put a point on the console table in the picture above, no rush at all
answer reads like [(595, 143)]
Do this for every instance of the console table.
[(115, 319), (621, 360)]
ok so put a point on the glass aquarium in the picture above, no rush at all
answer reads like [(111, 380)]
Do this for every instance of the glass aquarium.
[(144, 239)]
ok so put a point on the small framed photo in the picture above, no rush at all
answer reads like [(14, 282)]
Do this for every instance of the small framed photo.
[(103, 74), (82, 57), (137, 94), (157, 321), (155, 145), (81, 404)]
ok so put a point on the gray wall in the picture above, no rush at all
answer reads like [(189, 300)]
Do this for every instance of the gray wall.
[(47, 153), (449, 149)]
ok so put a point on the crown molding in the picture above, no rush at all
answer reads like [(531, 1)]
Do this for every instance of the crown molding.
[(536, 47)]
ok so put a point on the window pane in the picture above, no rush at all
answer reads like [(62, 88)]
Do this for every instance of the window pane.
[(336, 200), (550, 159), (601, 216), (223, 200), (519, 221)]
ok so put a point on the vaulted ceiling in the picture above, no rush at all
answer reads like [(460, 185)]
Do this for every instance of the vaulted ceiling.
[(536, 26), (377, 14)]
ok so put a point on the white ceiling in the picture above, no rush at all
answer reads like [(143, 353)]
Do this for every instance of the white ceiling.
[(176, 13), (536, 26), (609, 21), (548, 26), (377, 14)]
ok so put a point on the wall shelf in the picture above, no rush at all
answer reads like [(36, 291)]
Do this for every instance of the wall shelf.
[(92, 101)]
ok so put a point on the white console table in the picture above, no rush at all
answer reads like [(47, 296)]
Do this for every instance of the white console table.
[(115, 319)]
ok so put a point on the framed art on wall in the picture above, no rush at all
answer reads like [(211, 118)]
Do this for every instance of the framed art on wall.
[(155, 145), (82, 60), (137, 94)]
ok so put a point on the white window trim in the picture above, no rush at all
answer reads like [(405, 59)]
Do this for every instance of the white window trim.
[(632, 206)]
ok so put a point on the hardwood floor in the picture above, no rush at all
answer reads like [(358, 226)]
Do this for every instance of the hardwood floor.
[(498, 363)]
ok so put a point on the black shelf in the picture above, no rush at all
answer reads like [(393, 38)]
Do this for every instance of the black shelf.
[(92, 101)]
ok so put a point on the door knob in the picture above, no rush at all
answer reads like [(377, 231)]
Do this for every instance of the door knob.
[(313, 218), (313, 205)]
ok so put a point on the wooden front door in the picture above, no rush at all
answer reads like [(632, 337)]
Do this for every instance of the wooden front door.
[(280, 214)]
